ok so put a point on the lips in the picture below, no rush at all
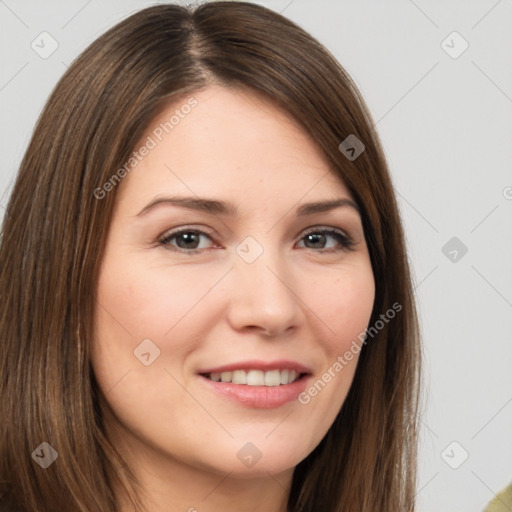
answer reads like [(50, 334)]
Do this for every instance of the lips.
[(259, 384), (257, 373)]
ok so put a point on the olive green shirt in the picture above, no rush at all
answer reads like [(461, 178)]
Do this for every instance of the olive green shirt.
[(502, 502)]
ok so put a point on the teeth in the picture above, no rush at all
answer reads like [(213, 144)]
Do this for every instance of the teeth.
[(226, 376), (256, 377), (272, 378), (239, 377)]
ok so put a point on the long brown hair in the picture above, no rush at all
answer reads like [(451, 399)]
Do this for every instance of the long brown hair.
[(54, 235)]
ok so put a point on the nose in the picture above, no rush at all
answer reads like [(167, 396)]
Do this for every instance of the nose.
[(263, 296)]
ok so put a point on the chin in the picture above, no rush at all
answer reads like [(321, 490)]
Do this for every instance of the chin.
[(248, 462)]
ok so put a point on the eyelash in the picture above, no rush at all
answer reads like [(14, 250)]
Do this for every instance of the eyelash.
[(347, 244)]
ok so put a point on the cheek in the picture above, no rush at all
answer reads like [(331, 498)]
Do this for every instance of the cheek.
[(345, 306), (140, 299), (135, 303), (345, 310)]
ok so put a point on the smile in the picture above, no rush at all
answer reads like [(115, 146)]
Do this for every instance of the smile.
[(256, 377)]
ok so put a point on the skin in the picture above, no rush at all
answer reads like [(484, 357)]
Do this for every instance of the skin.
[(212, 308)]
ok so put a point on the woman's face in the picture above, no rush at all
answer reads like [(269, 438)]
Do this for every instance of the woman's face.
[(251, 284)]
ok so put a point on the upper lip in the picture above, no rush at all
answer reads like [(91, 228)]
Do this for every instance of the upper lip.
[(264, 366)]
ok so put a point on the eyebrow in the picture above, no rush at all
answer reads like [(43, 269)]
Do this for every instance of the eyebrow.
[(229, 209)]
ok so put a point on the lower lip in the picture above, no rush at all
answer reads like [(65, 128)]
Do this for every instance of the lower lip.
[(259, 397)]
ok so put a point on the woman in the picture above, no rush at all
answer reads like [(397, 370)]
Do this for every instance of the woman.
[(273, 366)]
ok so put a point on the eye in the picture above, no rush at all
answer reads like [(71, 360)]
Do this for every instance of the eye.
[(319, 236), (188, 240)]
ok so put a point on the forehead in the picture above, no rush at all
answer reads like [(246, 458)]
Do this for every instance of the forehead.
[(234, 143)]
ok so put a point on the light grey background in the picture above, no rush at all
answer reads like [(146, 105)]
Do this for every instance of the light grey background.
[(446, 125)]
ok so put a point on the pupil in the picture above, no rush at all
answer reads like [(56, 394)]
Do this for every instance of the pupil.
[(188, 237), (316, 236)]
